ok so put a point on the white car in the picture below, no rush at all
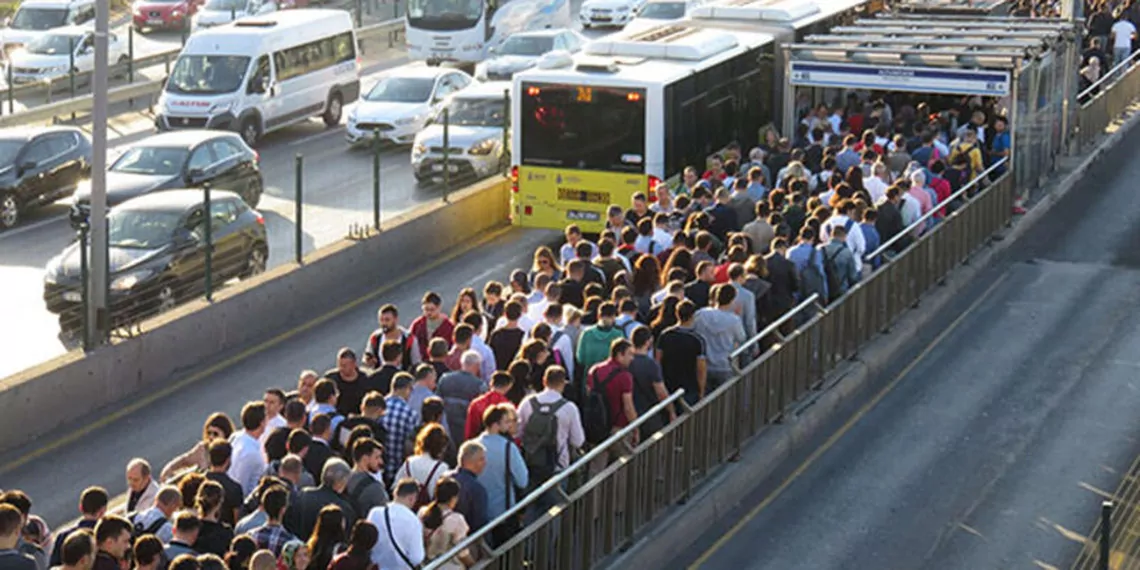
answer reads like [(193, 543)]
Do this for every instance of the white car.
[(47, 57), (218, 12), (34, 18), (401, 102), (657, 12), (608, 13), (522, 50), (475, 135)]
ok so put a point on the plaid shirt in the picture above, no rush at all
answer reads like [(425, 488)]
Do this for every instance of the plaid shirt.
[(400, 421), (271, 537)]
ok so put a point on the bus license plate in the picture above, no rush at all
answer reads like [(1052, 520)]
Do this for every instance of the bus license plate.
[(72, 296), (587, 196), (579, 215)]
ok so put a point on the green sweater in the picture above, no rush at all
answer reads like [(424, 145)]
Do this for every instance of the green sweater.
[(594, 346)]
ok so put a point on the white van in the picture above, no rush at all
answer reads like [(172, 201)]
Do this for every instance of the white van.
[(218, 12), (34, 18), (263, 73)]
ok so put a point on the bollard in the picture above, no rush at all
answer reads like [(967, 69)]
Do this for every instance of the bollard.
[(131, 54), (359, 12), (233, 14), (446, 153), (1105, 534), (11, 98), (84, 287), (298, 209), (505, 151), (70, 69), (185, 34), (376, 179), (209, 230)]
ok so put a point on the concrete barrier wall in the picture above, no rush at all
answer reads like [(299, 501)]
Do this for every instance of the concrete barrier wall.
[(44, 398)]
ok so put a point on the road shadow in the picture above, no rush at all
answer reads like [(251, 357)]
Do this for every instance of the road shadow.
[(282, 239)]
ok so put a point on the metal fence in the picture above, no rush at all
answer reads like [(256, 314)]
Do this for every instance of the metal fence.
[(1114, 543), (1106, 100)]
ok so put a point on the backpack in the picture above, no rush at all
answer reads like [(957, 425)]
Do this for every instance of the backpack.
[(423, 496), (540, 441), (354, 495), (596, 411), (153, 528), (834, 279), (811, 280)]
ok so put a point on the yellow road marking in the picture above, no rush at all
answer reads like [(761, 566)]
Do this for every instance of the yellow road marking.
[(803, 467)]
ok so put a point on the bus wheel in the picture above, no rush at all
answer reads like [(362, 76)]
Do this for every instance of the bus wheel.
[(333, 111)]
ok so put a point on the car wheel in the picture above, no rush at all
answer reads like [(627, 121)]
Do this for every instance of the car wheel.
[(166, 297), (10, 211), (250, 131), (252, 193), (333, 111), (257, 261)]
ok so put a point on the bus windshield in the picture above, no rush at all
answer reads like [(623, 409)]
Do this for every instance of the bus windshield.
[(444, 14), (588, 128), (207, 74)]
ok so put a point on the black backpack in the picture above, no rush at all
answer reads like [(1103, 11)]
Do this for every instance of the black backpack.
[(834, 279), (140, 530), (811, 281), (540, 441), (596, 420)]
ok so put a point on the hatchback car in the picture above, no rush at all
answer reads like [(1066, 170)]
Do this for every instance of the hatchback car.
[(157, 254), (50, 56), (401, 102), (39, 166), (523, 50), (179, 159), (151, 15), (475, 135), (608, 13)]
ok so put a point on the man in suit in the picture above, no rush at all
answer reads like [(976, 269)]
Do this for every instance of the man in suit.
[(785, 282), (334, 480), (319, 449), (890, 222)]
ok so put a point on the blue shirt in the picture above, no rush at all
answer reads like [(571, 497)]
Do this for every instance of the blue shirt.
[(799, 255), (758, 192), (846, 159), (1000, 144), (871, 236), (472, 503), (494, 476)]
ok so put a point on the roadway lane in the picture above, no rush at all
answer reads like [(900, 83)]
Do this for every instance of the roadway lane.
[(994, 445), (98, 457)]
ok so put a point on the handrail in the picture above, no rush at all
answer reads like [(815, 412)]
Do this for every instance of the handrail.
[(1110, 76), (771, 328), (554, 482), (938, 207)]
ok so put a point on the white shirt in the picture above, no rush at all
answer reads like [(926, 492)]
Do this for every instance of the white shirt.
[(564, 347), (420, 467), (1122, 32), (536, 309), (568, 252), (406, 529), (570, 433), (526, 323), (856, 242), (270, 425), (876, 188), (247, 463)]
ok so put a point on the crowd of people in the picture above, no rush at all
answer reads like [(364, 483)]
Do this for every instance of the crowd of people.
[(440, 427), (1110, 39)]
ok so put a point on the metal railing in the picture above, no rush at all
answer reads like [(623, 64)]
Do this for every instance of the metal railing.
[(1114, 542), (1106, 100), (560, 484), (143, 94)]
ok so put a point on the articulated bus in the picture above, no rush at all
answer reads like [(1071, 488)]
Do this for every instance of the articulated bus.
[(627, 112), (463, 31)]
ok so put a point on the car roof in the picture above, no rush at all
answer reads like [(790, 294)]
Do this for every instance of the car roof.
[(419, 71), (484, 90), (26, 133), (185, 138), (52, 3), (547, 33), (178, 200)]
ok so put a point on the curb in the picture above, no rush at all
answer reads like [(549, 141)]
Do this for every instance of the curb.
[(673, 535)]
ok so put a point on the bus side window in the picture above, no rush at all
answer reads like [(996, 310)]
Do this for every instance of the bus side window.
[(260, 77)]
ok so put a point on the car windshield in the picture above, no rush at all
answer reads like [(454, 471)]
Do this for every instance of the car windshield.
[(151, 160), (663, 11), (8, 151), (475, 112), (141, 229), (53, 44), (225, 5), (402, 90), (526, 45), (38, 18), (207, 74)]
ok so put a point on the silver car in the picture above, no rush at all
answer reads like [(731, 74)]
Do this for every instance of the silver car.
[(475, 120)]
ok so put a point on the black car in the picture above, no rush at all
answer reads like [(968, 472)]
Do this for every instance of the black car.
[(39, 166), (158, 254), (180, 159)]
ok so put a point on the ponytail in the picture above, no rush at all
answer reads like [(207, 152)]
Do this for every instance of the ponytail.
[(433, 517), (446, 489)]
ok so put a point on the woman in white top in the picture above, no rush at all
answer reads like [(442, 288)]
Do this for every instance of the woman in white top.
[(444, 528), (427, 464)]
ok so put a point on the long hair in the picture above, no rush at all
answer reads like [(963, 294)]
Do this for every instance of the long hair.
[(327, 534), (446, 489)]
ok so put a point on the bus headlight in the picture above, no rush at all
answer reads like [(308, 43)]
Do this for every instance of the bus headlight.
[(482, 148)]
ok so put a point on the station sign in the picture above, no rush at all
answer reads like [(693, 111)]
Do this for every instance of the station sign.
[(900, 78)]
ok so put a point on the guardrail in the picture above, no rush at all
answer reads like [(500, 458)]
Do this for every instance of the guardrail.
[(608, 511), (1104, 101), (148, 91)]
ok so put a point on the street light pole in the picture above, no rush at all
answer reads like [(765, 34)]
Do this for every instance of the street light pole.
[(97, 316)]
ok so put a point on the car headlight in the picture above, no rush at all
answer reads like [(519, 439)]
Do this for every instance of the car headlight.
[(221, 107), (51, 275), (418, 149), (352, 116), (130, 280), (482, 148), (176, 13)]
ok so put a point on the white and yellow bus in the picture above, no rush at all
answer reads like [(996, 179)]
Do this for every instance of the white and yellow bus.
[(627, 112)]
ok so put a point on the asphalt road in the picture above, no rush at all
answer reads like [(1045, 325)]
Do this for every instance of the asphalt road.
[(996, 443), (168, 426), (337, 193)]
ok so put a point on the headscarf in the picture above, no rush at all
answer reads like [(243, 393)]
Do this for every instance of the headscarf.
[(289, 553)]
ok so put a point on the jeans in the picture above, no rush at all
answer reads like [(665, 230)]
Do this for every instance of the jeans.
[(1119, 55)]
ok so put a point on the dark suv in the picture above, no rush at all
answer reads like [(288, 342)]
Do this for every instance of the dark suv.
[(39, 166)]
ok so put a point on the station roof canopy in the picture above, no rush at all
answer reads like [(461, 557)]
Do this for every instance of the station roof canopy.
[(997, 43), (963, 7)]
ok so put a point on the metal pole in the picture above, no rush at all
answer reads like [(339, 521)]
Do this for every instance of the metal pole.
[(298, 209), (376, 179), (209, 231), (131, 54), (446, 153), (185, 34), (70, 68), (97, 308), (84, 287), (1105, 534), (11, 98), (359, 12)]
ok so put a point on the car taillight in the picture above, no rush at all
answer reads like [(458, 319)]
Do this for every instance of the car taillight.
[(653, 182), (514, 179), (256, 157), (260, 218)]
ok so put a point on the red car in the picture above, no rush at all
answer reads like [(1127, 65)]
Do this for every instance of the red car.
[(163, 14)]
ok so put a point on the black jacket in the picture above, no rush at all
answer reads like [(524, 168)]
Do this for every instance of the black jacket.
[(785, 283), (319, 453), (890, 221), (309, 505)]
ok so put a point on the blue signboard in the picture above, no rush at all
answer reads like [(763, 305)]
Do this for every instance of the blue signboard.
[(899, 78)]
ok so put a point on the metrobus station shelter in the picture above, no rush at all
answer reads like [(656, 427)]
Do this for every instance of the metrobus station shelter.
[(1028, 65)]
